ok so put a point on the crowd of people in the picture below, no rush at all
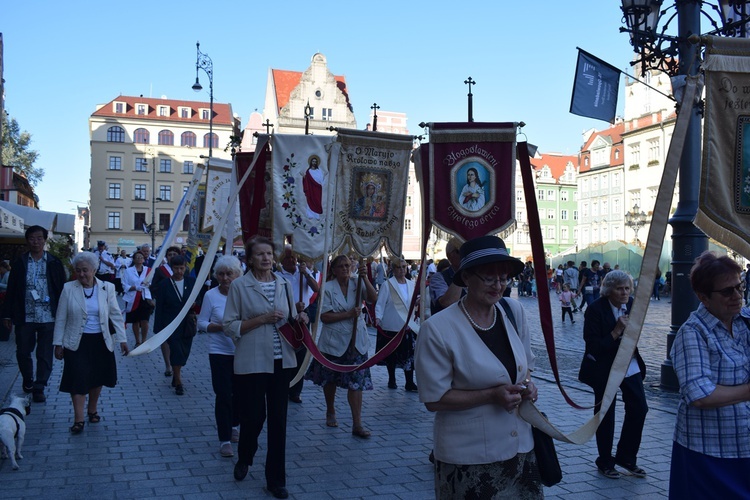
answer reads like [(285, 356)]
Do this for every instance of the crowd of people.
[(471, 354)]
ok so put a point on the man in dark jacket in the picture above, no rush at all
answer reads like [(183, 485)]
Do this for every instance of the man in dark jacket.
[(34, 287)]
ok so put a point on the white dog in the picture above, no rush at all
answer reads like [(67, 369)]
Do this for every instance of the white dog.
[(12, 427)]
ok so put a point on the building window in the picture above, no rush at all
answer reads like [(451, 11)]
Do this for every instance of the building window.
[(187, 139), (564, 233), (119, 107), (113, 220), (115, 134), (139, 191), (519, 194), (563, 214), (563, 196), (408, 201), (575, 214), (550, 213), (141, 165), (141, 136), (186, 223), (550, 195), (115, 191), (327, 114), (187, 167), (635, 154), (605, 208), (551, 233), (312, 113), (206, 141), (165, 166), (165, 193), (653, 151), (139, 221), (140, 109), (616, 179), (166, 138), (163, 222), (205, 114), (407, 224), (540, 194), (115, 163), (163, 110), (184, 112)]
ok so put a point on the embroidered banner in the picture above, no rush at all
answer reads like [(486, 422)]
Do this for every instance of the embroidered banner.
[(255, 194), (469, 170), (595, 88), (303, 180), (221, 179), (370, 195), (724, 201)]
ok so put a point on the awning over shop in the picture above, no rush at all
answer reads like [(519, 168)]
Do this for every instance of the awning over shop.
[(10, 223), (52, 221)]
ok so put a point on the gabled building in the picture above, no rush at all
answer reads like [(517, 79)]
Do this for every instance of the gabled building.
[(289, 92), (143, 155), (601, 188)]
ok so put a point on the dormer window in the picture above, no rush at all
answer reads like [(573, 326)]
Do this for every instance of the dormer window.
[(205, 114), (163, 110), (119, 107), (185, 112), (141, 109)]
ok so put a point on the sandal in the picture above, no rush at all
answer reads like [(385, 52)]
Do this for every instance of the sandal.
[(77, 427), (94, 418), (331, 420), (360, 432)]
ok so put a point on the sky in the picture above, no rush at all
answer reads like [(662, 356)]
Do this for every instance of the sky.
[(62, 59)]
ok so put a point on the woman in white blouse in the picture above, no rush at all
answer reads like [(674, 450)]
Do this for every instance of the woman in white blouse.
[(86, 311), (221, 353)]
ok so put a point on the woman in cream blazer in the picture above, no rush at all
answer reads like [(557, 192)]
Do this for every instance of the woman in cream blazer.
[(259, 303), (82, 338)]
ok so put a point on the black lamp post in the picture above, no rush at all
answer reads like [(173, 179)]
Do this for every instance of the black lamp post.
[(635, 220), (677, 55), (308, 115), (206, 64)]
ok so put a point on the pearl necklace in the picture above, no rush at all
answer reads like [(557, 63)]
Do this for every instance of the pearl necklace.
[(474, 323)]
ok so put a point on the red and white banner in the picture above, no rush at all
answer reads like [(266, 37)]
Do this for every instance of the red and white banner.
[(467, 172)]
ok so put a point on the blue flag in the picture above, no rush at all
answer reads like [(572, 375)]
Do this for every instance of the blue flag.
[(595, 88)]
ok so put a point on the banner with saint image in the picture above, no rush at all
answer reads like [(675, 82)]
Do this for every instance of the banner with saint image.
[(371, 182)]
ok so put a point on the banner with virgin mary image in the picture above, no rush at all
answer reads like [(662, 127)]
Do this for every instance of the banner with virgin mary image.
[(373, 173), (469, 170), (303, 175), (724, 201)]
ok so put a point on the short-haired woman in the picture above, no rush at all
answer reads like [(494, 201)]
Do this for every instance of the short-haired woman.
[(711, 356), (87, 309)]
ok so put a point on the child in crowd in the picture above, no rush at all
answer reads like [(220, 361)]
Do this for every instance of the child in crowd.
[(566, 297), (533, 287)]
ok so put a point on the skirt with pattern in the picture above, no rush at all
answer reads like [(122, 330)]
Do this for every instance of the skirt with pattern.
[(517, 478), (358, 380)]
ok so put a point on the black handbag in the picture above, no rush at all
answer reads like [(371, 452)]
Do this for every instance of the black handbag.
[(546, 458)]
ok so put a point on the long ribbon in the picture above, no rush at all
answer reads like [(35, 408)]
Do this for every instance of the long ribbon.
[(528, 410)]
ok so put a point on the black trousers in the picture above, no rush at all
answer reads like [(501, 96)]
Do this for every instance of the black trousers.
[(296, 389), (30, 336), (264, 394), (226, 403), (636, 408)]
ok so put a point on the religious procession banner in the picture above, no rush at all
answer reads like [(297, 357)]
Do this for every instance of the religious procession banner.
[(221, 179), (255, 193), (468, 176), (373, 173), (724, 201), (303, 184)]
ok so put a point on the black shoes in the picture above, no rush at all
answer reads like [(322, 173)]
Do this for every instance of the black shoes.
[(240, 471), (392, 385), (39, 397), (294, 398), (609, 472), (179, 390), (278, 492), (411, 387)]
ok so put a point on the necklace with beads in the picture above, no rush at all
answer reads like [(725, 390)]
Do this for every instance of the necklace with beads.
[(474, 323), (92, 292)]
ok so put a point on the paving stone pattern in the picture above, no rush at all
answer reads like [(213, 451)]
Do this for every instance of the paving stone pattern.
[(154, 444)]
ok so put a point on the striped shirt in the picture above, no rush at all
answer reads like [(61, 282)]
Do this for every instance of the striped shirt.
[(269, 290), (706, 355)]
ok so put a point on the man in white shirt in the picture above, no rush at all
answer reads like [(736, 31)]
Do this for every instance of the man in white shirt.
[(106, 269), (121, 263)]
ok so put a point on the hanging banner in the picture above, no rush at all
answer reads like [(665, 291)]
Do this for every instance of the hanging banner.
[(255, 194), (470, 172), (595, 88), (371, 182), (218, 188), (724, 201), (303, 182)]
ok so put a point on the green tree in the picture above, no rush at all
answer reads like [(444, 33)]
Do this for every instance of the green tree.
[(16, 151)]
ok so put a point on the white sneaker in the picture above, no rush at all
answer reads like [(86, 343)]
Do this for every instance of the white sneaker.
[(235, 435), (226, 450)]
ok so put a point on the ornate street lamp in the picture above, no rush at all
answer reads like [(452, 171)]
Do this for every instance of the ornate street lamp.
[(206, 64), (679, 56), (308, 115), (635, 220)]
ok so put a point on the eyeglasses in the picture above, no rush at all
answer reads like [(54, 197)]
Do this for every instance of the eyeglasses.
[(490, 281), (729, 291)]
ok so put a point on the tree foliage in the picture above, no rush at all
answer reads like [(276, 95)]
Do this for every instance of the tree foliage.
[(17, 151)]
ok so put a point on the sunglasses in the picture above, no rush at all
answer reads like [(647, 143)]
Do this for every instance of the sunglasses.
[(729, 291)]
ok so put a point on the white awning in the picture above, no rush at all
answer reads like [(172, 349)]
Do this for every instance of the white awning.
[(10, 223), (52, 221)]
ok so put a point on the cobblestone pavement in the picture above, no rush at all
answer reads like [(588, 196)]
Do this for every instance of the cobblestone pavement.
[(152, 443)]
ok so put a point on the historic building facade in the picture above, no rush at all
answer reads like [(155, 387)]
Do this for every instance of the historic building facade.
[(143, 155)]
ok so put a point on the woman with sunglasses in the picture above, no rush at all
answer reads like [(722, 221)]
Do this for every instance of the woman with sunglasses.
[(474, 368), (711, 356)]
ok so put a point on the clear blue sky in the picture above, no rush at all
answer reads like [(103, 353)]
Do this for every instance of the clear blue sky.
[(64, 58)]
